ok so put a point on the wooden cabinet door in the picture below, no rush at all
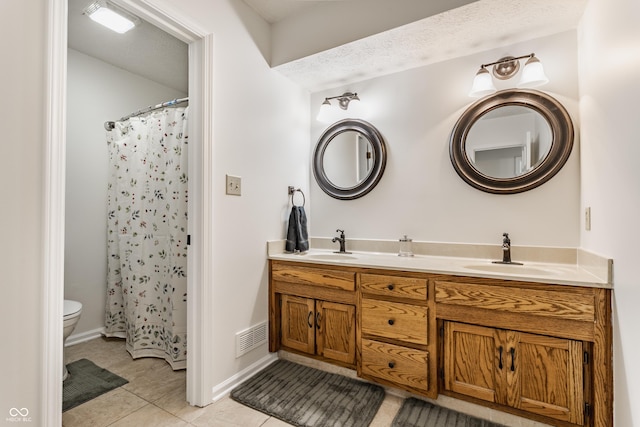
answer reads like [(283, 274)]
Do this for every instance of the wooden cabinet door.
[(297, 323), (538, 374), (547, 377), (336, 331), (470, 359)]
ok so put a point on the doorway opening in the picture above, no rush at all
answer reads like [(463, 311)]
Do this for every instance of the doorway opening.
[(126, 197), (200, 45)]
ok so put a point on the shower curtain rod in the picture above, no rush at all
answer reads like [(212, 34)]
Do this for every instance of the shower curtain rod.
[(111, 125)]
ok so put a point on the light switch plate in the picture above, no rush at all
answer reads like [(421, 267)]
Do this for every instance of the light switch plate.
[(234, 185), (587, 218)]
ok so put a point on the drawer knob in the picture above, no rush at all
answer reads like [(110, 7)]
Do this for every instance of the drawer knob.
[(392, 365), (391, 322), (390, 286)]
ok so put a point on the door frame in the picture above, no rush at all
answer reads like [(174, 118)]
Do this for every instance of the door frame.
[(199, 317)]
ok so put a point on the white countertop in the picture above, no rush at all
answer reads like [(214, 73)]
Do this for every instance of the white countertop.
[(562, 274)]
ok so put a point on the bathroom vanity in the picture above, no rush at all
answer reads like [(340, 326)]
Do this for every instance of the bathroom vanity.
[(537, 343), (313, 311)]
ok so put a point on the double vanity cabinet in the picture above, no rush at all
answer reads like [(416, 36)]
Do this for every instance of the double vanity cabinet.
[(538, 350)]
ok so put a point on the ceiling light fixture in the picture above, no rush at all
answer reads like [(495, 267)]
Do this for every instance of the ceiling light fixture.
[(329, 114), (505, 68), (111, 16)]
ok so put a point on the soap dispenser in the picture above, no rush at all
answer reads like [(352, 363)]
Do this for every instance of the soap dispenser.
[(405, 246)]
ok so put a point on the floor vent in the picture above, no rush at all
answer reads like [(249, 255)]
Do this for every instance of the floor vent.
[(251, 338)]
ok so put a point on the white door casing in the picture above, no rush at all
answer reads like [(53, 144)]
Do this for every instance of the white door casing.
[(200, 274)]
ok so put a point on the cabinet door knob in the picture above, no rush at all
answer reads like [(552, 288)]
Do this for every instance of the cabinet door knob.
[(390, 286), (318, 318), (392, 365), (391, 322), (500, 361), (309, 319)]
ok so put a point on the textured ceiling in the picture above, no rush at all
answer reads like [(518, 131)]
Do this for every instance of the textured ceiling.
[(479, 26), (145, 50)]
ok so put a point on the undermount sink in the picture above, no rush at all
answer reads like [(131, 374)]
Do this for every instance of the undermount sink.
[(508, 269), (332, 257)]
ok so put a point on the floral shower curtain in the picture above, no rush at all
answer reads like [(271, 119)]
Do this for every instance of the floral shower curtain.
[(147, 235)]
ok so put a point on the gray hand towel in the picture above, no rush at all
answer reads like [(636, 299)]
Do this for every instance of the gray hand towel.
[(297, 237)]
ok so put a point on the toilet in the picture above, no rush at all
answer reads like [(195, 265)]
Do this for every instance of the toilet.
[(72, 311)]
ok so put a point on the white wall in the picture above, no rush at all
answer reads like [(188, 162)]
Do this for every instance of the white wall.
[(261, 133), (609, 53), (420, 193), (96, 92), (22, 42)]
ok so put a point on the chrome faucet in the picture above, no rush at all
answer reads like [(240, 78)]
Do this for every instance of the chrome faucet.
[(342, 240), (506, 251)]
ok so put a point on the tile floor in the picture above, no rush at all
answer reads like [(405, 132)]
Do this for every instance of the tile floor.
[(155, 396)]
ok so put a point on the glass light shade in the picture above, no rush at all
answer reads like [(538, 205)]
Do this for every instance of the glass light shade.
[(482, 84), (325, 112), (100, 13), (533, 74)]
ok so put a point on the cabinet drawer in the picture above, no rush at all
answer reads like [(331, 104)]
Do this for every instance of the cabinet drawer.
[(402, 287), (325, 277), (567, 305), (397, 364), (403, 322)]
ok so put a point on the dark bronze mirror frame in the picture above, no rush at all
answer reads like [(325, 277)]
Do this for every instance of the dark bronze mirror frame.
[(561, 144), (379, 159)]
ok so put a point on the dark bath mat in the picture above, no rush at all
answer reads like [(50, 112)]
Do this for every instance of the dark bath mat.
[(308, 397), (87, 381), (418, 413)]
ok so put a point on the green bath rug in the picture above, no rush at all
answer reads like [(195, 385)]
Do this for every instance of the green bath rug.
[(87, 381), (308, 397), (418, 413)]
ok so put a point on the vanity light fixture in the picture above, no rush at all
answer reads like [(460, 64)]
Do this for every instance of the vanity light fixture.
[(505, 68), (329, 114), (482, 83), (111, 16)]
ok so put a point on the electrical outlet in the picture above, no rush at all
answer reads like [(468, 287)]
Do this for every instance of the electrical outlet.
[(587, 218), (234, 185)]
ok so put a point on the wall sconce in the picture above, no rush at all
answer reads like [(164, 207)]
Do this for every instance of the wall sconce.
[(328, 113), (505, 68), (111, 16)]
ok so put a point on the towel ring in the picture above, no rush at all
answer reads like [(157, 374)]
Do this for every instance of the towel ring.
[(292, 192)]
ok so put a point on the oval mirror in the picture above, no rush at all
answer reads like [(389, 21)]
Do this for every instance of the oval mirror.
[(511, 141), (349, 159)]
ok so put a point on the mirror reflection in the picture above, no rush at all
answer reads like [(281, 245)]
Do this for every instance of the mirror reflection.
[(508, 141), (511, 141), (348, 159)]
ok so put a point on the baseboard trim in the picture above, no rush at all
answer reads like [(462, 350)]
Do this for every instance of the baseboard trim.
[(84, 336), (224, 388)]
